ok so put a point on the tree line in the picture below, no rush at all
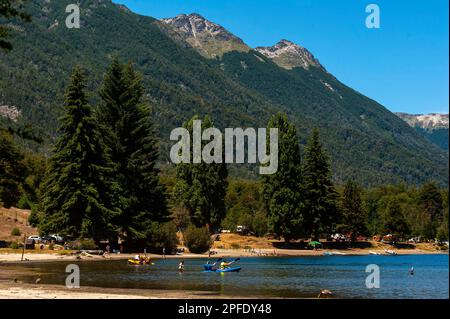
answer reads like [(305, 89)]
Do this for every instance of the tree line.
[(103, 182)]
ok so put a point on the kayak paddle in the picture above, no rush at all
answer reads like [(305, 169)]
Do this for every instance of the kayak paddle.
[(237, 259), (218, 260)]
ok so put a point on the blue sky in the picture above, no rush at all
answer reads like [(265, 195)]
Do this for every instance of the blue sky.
[(404, 65)]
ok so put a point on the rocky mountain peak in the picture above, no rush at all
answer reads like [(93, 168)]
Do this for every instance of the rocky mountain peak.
[(208, 38), (289, 55), (426, 121)]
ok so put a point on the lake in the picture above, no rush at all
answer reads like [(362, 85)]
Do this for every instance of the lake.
[(292, 277)]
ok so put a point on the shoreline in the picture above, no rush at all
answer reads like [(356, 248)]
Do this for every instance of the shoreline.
[(221, 253), (12, 290)]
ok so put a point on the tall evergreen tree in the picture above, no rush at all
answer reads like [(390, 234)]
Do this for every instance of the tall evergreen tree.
[(128, 130), (201, 187), (282, 192), (319, 193), (78, 196), (11, 170), (353, 215)]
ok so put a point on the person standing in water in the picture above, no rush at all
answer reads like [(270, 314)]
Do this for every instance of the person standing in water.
[(411, 271), (181, 266)]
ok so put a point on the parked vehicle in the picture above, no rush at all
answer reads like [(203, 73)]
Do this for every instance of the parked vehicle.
[(29, 244), (48, 239), (389, 239), (415, 240), (58, 238), (339, 237), (239, 228), (243, 230), (36, 238)]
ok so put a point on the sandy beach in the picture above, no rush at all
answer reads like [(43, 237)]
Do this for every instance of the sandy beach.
[(11, 290), (54, 256)]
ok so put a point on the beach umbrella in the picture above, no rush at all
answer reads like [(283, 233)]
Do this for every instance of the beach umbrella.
[(315, 243)]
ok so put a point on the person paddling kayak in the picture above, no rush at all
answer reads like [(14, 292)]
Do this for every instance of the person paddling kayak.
[(225, 266)]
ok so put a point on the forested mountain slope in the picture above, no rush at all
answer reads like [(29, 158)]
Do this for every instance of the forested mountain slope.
[(238, 89)]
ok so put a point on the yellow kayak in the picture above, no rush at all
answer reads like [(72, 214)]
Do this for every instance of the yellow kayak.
[(140, 262)]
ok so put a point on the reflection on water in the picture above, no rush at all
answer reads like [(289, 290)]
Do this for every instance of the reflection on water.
[(268, 277)]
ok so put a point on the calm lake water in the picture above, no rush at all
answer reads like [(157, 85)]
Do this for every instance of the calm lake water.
[(268, 277)]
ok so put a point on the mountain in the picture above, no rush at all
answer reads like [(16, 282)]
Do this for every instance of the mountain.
[(210, 39), (430, 121), (289, 55), (434, 127), (193, 66)]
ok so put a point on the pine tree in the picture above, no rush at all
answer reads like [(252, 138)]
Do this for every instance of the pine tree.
[(201, 188), (128, 130), (78, 196), (353, 214), (319, 193), (282, 194), (11, 170)]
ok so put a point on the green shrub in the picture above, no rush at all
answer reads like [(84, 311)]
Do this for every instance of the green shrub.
[(197, 240), (74, 245), (162, 236), (23, 202), (15, 232), (235, 246), (14, 245), (87, 244), (34, 218)]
